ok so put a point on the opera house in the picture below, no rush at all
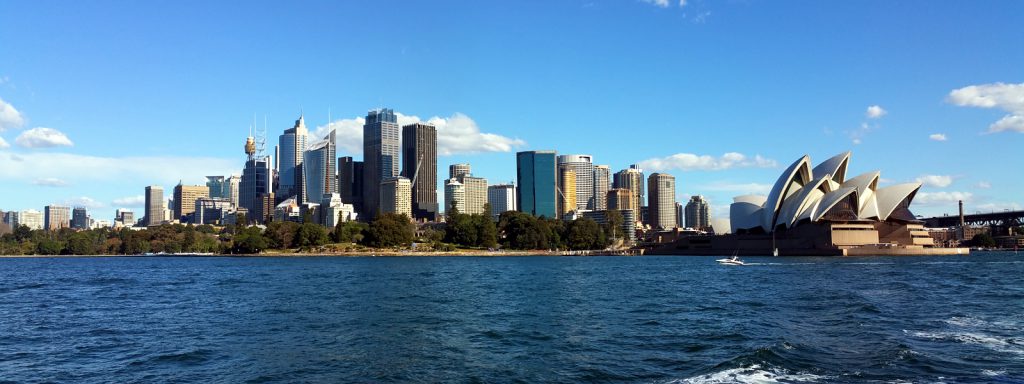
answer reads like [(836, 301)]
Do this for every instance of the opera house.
[(819, 211)]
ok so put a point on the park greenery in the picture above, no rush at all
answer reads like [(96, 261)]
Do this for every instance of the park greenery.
[(513, 230)]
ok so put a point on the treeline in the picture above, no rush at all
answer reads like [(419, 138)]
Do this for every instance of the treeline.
[(514, 230)]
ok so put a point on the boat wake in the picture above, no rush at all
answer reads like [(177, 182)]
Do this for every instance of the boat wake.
[(753, 374)]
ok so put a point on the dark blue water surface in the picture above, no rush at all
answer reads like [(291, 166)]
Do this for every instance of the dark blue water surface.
[(512, 319)]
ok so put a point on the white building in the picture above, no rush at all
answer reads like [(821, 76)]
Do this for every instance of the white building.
[(502, 198), (334, 209), (454, 196), (583, 167), (396, 196)]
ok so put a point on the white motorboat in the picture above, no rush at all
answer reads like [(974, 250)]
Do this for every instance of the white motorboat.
[(731, 261)]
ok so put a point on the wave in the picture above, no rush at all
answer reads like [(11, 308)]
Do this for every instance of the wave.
[(753, 374), (1007, 345)]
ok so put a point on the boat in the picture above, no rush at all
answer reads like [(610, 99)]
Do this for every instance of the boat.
[(734, 260)]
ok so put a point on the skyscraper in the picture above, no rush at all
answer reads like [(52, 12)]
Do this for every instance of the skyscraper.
[(476, 194), (254, 187), (661, 203), (698, 213), (602, 183), (583, 167), (621, 199), (79, 218), (56, 217), (396, 196), (318, 166), (454, 196), (217, 186), (419, 164), (291, 147), (185, 199), (154, 206), (350, 181), (536, 178), (456, 170), (231, 188), (502, 198), (632, 178), (566, 190), (380, 156), (31, 218)]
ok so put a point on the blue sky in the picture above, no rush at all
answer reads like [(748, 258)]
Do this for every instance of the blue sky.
[(101, 98)]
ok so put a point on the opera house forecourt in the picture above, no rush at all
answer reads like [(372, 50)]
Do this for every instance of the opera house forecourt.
[(820, 212)]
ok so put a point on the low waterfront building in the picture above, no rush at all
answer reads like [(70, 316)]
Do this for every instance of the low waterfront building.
[(819, 211)]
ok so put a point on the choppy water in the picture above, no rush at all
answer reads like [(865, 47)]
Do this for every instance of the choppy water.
[(515, 319)]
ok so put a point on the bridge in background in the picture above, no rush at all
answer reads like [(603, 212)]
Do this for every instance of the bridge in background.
[(1003, 219)]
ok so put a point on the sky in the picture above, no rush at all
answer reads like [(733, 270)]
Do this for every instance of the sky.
[(99, 99)]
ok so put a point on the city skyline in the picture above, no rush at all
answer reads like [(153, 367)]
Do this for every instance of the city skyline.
[(858, 86)]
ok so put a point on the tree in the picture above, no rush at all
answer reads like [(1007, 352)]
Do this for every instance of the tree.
[(389, 230), (461, 229), (249, 240), (613, 224), (48, 246), (282, 234), (487, 232), (522, 231), (22, 233), (983, 240), (311, 235), (584, 234), (350, 232), (81, 243)]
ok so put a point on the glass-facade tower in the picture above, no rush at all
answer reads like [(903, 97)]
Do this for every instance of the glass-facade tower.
[(536, 176)]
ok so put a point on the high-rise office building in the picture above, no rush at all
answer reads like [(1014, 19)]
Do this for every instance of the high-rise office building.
[(254, 187), (350, 181), (79, 218), (680, 216), (661, 203), (185, 199), (456, 170), (419, 164), (154, 206), (318, 165), (621, 199), (583, 167), (218, 186), (56, 217), (476, 194), (502, 198), (211, 210), (454, 196), (632, 178), (536, 176), (698, 213), (396, 196), (30, 218), (231, 188), (292, 145), (602, 183), (380, 156), (124, 217), (566, 190)]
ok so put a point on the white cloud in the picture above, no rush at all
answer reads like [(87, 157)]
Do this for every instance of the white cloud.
[(3, 144), (682, 3), (941, 198), (84, 201), (857, 135), (740, 188), (691, 162), (50, 182), (43, 138), (660, 3), (937, 137), (984, 185), (82, 170), (9, 117), (875, 111), (935, 181), (456, 134), (130, 201), (1008, 97)]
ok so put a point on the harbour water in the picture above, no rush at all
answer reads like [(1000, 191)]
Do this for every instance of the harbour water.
[(513, 319)]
